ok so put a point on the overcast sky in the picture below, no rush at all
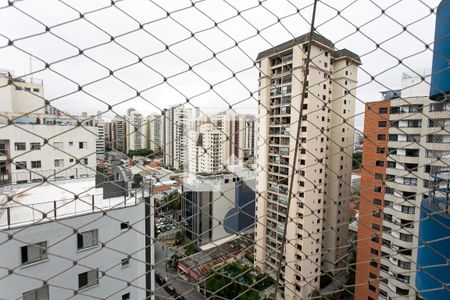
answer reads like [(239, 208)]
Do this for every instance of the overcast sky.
[(69, 33)]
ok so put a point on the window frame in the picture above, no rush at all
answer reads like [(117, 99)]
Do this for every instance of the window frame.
[(82, 238), (40, 247), (88, 283)]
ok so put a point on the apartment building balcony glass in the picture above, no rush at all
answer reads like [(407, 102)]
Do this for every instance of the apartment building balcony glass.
[(406, 124), (439, 123), (438, 138), (407, 109), (440, 106), (438, 154)]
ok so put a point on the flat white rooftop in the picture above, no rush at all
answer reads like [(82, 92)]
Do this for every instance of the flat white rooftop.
[(42, 202)]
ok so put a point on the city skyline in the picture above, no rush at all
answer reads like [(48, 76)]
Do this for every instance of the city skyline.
[(225, 149), (139, 76)]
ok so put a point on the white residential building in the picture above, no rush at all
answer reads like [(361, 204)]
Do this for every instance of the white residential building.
[(218, 205), (22, 96), (413, 133), (42, 146), (101, 140), (317, 231), (210, 149), (178, 136), (136, 130), (91, 247)]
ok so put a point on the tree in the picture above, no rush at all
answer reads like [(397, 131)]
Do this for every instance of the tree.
[(191, 249), (173, 201), (357, 159), (231, 282), (173, 262), (137, 181), (139, 152), (179, 238)]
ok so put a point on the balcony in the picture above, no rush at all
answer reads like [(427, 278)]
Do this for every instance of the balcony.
[(3, 154)]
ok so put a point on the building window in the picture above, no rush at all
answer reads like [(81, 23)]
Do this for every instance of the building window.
[(85, 160), (36, 164), (59, 163), (20, 146), (382, 124), (404, 265), (408, 209), (379, 163), (124, 226), (381, 150), (21, 165), (87, 279), (378, 176), (82, 145), (383, 110), (381, 137), (58, 145), (34, 252), (87, 239), (37, 294), (377, 201), (126, 296), (35, 146), (125, 262)]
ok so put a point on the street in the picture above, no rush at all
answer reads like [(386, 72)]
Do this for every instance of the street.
[(186, 289)]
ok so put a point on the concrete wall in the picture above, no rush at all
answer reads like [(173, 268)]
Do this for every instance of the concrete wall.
[(62, 251)]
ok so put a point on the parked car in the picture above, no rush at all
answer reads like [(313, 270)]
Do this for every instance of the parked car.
[(160, 279), (179, 297), (170, 290)]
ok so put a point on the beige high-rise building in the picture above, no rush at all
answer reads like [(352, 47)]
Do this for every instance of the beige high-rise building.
[(232, 125), (316, 236)]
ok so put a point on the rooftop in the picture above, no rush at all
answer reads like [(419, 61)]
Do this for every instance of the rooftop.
[(317, 38), (202, 262), (55, 199)]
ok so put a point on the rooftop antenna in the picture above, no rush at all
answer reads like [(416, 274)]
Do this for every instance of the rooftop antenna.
[(31, 68)]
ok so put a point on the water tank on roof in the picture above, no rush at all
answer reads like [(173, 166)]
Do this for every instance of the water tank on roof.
[(440, 80)]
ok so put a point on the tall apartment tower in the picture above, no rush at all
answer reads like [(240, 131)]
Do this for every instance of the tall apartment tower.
[(136, 130), (100, 143), (232, 125), (154, 131), (118, 136), (177, 136), (250, 140), (317, 228), (407, 142), (210, 156)]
